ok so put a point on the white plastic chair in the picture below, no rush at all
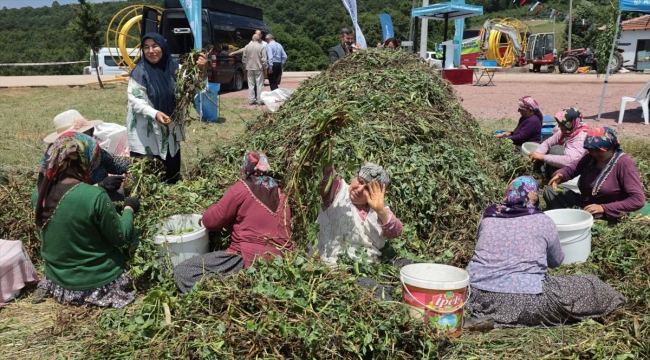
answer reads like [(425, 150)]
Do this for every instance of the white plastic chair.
[(643, 97)]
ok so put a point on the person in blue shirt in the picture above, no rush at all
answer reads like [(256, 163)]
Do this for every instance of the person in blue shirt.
[(276, 58)]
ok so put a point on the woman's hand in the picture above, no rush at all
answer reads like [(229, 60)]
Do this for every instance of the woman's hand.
[(555, 181), (375, 196), (502, 134), (162, 118), (202, 63), (536, 156), (594, 209)]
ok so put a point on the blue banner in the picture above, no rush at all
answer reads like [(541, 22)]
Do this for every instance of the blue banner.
[(635, 5), (458, 36), (193, 12), (386, 26), (351, 6)]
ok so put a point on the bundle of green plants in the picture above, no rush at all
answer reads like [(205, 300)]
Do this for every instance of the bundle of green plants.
[(16, 212), (390, 108), (189, 83), (292, 308)]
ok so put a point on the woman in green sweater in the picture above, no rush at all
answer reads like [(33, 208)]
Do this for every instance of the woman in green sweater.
[(80, 230)]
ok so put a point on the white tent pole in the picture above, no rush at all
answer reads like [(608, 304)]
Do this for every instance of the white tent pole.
[(570, 23), (611, 55), (424, 32)]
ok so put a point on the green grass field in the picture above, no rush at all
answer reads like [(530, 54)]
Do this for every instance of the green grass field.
[(53, 331), (27, 114)]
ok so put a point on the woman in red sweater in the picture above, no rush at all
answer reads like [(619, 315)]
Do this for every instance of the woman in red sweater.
[(257, 214)]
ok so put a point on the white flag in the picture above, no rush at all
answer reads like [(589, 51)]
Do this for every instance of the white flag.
[(534, 6), (351, 6), (552, 13)]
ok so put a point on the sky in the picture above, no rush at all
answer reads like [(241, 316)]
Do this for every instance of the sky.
[(39, 3)]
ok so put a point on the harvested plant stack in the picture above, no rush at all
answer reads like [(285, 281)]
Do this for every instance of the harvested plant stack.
[(390, 108)]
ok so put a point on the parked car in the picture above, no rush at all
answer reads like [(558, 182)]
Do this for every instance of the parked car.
[(227, 26), (108, 62)]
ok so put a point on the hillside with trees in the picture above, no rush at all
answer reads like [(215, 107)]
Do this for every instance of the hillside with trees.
[(306, 28)]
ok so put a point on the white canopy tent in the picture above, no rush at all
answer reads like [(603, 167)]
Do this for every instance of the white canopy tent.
[(642, 6)]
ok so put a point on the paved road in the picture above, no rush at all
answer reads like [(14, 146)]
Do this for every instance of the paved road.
[(82, 80)]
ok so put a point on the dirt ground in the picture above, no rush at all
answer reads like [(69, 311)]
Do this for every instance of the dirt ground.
[(552, 91)]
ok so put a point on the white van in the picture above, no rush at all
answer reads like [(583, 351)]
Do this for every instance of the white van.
[(107, 64)]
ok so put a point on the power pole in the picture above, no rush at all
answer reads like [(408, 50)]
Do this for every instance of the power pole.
[(424, 32), (570, 23)]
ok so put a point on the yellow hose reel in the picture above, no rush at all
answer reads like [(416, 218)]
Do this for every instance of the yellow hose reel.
[(123, 33), (509, 57)]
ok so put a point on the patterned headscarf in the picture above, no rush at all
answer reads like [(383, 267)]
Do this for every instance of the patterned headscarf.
[(256, 174), (371, 171), (604, 139), (72, 155), (528, 103), (570, 118), (522, 198)]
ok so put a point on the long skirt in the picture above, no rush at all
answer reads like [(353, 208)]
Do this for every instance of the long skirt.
[(191, 271), (564, 300), (16, 269), (118, 293)]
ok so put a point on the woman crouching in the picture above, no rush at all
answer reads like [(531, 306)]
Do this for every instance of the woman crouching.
[(259, 219), (80, 230), (509, 286), (610, 185)]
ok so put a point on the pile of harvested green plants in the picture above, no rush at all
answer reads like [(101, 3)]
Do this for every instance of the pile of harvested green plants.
[(381, 106)]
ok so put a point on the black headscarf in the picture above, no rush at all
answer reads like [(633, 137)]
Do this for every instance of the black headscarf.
[(159, 79)]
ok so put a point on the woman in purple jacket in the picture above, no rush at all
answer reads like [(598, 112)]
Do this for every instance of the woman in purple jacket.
[(529, 128), (610, 186)]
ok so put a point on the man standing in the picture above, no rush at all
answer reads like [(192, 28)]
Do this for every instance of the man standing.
[(258, 33), (254, 60), (346, 46), (277, 58)]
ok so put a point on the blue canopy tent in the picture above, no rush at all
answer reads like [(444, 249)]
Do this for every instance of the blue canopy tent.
[(447, 11), (641, 6)]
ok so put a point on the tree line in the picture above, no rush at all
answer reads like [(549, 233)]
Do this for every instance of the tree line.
[(306, 28)]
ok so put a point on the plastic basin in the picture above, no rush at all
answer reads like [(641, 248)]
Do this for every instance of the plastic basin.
[(528, 147)]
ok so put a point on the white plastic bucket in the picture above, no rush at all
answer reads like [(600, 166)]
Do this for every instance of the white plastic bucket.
[(571, 184), (529, 147), (436, 292), (186, 245), (574, 228)]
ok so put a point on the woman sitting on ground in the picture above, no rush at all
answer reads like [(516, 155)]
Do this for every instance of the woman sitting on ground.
[(257, 214), (80, 230), (565, 146), (354, 216), (609, 182), (509, 287), (529, 128), (72, 120)]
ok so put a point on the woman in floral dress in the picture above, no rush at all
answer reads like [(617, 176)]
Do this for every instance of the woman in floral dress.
[(509, 286)]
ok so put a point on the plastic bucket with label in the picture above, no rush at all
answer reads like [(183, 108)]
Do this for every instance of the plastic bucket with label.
[(436, 293)]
